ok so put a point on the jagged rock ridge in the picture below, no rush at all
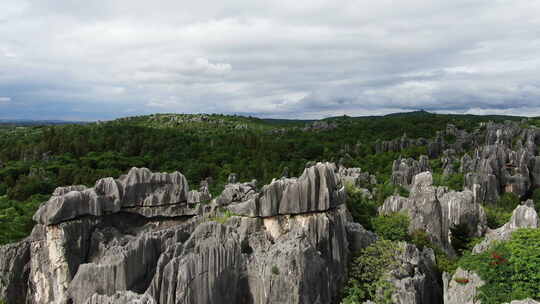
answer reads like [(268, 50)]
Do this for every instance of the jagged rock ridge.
[(140, 239)]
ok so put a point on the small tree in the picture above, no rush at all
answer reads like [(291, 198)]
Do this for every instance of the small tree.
[(392, 227)]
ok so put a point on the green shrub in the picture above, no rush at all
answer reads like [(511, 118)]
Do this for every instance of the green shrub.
[(452, 181), (508, 201), (496, 216), (420, 238), (368, 273), (223, 216), (499, 213), (510, 269), (362, 209), (275, 270), (392, 227)]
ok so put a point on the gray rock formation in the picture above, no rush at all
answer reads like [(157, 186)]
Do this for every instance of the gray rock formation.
[(415, 280), (126, 297), (358, 237), (94, 246), (436, 210), (458, 140), (461, 287), (354, 176), (524, 216), (140, 191), (404, 169), (14, 269), (318, 189), (460, 209), (423, 207), (449, 161), (506, 163)]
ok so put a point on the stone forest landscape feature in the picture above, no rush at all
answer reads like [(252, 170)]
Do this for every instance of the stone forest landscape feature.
[(269, 152)]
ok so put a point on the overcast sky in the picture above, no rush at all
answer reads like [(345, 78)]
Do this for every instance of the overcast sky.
[(103, 59)]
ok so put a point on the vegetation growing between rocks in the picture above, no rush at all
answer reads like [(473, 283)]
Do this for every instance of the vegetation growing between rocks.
[(368, 274), (452, 181), (223, 216), (499, 213), (392, 227), (509, 269)]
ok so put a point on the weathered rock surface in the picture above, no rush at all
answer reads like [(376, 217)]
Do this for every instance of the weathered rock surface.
[(318, 189), (450, 138), (461, 287), (506, 163), (404, 170), (355, 176), (436, 211), (415, 280), (14, 267), (524, 216), (126, 297), (95, 246), (140, 191)]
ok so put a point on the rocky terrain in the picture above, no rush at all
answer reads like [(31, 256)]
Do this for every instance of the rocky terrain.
[(146, 237)]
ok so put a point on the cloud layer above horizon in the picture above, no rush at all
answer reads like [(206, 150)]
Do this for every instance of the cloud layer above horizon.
[(101, 59)]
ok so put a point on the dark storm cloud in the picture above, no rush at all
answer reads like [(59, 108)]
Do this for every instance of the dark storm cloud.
[(294, 59)]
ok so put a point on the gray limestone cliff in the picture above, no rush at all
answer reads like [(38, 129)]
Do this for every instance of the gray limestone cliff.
[(146, 238), (436, 210)]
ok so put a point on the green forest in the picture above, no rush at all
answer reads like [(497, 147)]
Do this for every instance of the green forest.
[(34, 159)]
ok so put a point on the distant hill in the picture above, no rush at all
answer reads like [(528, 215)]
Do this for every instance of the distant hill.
[(30, 122)]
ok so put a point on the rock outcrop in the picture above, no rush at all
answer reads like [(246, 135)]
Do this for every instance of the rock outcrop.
[(461, 287), (355, 177), (14, 269), (122, 242), (318, 189), (436, 210), (507, 162), (415, 280), (450, 138), (404, 170), (524, 216), (140, 191)]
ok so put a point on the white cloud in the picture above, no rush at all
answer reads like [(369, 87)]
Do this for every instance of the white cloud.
[(5, 99), (274, 58)]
